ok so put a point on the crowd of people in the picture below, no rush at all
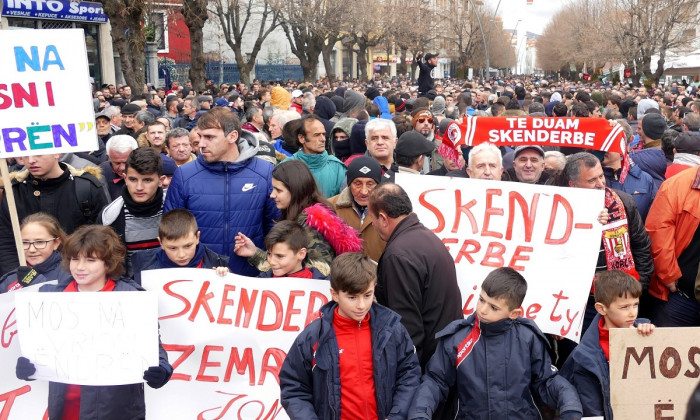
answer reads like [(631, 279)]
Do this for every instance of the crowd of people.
[(287, 179)]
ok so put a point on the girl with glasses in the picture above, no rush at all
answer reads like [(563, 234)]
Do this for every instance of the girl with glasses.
[(41, 238)]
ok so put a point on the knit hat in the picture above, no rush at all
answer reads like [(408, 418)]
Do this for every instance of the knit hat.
[(371, 93), (421, 114), (357, 138), (439, 105), (364, 167), (169, 165), (280, 98), (644, 105), (399, 105), (654, 125), (412, 144)]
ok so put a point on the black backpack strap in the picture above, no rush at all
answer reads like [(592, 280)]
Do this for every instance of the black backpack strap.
[(82, 193)]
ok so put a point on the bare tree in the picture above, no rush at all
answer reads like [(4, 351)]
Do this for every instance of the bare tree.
[(244, 18), (365, 27), (415, 36), (306, 25), (195, 13), (126, 17)]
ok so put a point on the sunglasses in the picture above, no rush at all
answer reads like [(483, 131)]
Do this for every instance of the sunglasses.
[(422, 120)]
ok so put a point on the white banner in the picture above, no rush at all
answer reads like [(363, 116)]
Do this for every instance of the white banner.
[(549, 234), (19, 400), (45, 96), (89, 338), (227, 339)]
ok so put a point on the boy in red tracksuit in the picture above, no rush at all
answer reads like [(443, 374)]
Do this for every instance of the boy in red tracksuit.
[(355, 362)]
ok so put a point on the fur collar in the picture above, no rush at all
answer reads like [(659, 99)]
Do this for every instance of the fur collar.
[(21, 176), (344, 198), (339, 235)]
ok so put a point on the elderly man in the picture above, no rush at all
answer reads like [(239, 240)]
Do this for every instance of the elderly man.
[(528, 166), (364, 174), (179, 147), (485, 162), (381, 140), (128, 113), (113, 170)]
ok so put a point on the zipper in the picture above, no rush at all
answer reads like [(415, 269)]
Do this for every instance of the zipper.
[(226, 206)]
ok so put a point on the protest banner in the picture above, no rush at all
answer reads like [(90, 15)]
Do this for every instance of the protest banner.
[(584, 133), (19, 400), (45, 96), (89, 338), (549, 234), (652, 378), (227, 339)]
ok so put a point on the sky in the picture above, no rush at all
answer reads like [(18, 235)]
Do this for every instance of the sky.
[(533, 17)]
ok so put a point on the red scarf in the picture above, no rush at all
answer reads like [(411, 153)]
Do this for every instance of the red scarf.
[(616, 236), (586, 133)]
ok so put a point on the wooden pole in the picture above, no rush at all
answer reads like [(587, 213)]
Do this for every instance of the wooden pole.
[(13, 210)]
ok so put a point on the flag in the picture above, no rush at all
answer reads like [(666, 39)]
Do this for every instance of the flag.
[(628, 73), (586, 76)]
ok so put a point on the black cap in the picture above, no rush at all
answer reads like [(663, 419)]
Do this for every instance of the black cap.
[(430, 55), (130, 109), (687, 142), (412, 144), (371, 93), (364, 167)]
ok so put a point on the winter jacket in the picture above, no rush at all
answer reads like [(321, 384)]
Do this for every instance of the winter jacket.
[(416, 277), (227, 198), (310, 376), (72, 204), (640, 243), (638, 184), (109, 402), (372, 244), (653, 162), (425, 80), (113, 181), (497, 369), (673, 219), (328, 171), (148, 260), (588, 371), (46, 271), (383, 105)]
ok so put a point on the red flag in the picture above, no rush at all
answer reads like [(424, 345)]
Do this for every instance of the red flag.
[(586, 76), (586, 133), (628, 73)]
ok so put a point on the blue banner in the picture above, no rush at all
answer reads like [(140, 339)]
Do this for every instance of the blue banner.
[(55, 9)]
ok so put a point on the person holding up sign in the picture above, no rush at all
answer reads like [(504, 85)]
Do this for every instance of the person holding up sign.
[(94, 255), (496, 359), (617, 303), (41, 237), (357, 360)]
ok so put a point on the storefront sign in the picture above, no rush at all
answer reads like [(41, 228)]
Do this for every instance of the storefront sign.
[(82, 11)]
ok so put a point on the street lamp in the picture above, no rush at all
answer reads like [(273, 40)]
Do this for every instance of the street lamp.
[(515, 33), (483, 36)]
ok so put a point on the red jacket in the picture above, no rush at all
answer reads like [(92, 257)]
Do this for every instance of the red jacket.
[(672, 221)]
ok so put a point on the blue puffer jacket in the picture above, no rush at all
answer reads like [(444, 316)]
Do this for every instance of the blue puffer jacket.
[(109, 402), (310, 375), (497, 369), (227, 198), (589, 372), (150, 259), (638, 184)]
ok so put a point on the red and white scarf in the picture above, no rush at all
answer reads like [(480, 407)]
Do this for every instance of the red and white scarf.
[(616, 236)]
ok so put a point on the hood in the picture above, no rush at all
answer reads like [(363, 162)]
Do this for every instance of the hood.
[(247, 146), (344, 124), (280, 98), (353, 100), (383, 105), (325, 108), (339, 103), (357, 138), (651, 161)]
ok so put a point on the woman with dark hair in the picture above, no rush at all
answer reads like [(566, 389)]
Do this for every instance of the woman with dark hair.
[(297, 196)]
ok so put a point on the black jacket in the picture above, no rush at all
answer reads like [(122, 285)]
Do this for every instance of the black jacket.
[(416, 278), (56, 196), (425, 80)]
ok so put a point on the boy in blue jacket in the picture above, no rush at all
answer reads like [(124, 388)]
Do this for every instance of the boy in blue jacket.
[(496, 360), (617, 303), (178, 235), (357, 360)]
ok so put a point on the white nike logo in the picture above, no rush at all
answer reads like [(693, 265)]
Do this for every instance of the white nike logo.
[(248, 187)]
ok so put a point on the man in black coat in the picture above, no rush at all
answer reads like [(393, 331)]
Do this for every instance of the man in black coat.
[(425, 80)]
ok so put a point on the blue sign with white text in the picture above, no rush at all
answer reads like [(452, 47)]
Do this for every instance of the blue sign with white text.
[(82, 11)]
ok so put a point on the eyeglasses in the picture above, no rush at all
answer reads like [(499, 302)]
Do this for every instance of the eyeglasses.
[(40, 244), (422, 120)]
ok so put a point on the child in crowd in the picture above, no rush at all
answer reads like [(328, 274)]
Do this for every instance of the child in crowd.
[(94, 256), (178, 234), (286, 245), (357, 360), (617, 303), (496, 360), (41, 238)]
